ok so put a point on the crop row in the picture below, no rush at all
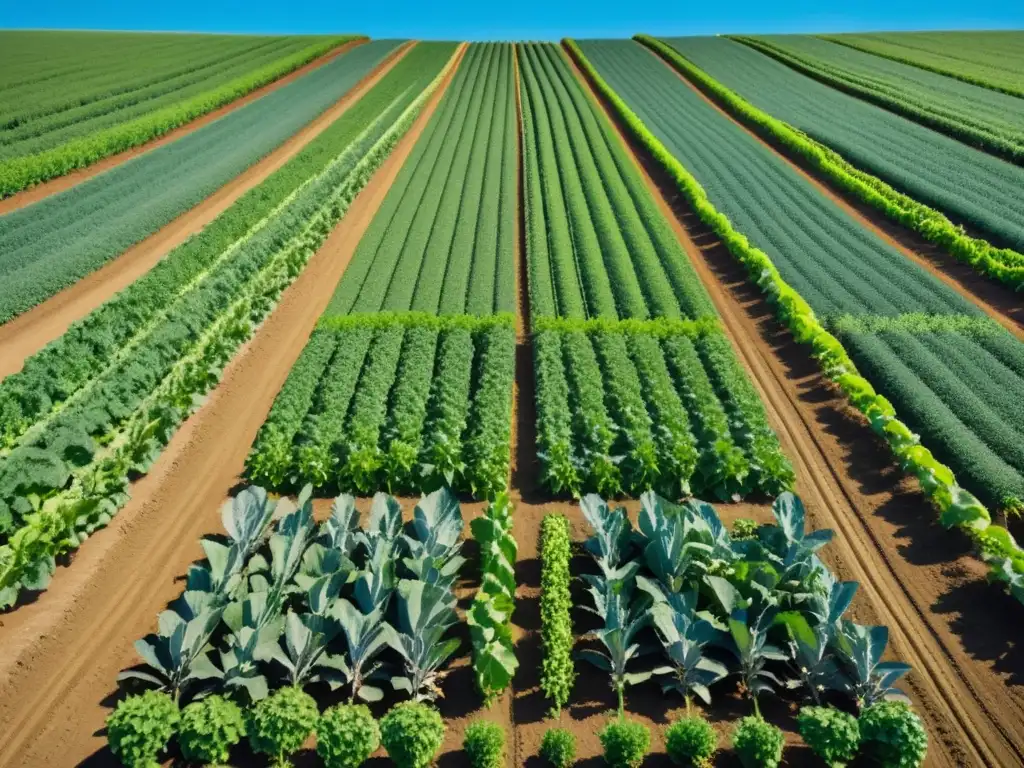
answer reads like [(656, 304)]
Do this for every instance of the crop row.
[(989, 59), (977, 116), (774, 274), (626, 404), (1003, 264), (402, 402), (68, 471), (49, 245), (910, 173), (755, 611), (283, 601), (37, 148), (407, 382)]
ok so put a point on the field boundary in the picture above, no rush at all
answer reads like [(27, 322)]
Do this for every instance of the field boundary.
[(27, 333)]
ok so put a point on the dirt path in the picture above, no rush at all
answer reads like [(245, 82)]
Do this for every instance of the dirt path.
[(63, 652), (921, 581), (996, 300), (73, 178), (29, 332)]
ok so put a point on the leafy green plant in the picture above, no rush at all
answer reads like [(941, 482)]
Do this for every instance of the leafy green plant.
[(139, 729), (558, 747), (691, 741), (346, 736), (412, 733), (833, 735), (860, 649), (425, 613), (625, 742), (758, 743), (278, 725), (557, 673), (490, 616), (484, 744), (744, 529), (209, 729), (892, 735)]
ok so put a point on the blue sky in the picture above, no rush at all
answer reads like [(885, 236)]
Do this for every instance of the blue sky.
[(513, 19)]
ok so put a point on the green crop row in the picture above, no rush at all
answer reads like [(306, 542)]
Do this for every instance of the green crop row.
[(980, 118), (21, 172), (401, 401), (957, 506), (74, 474), (1003, 264), (490, 616), (557, 673)]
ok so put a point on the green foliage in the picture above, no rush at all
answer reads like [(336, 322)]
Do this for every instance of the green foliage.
[(558, 747), (744, 529), (484, 744), (278, 725), (127, 395), (758, 743), (625, 743), (209, 729), (20, 172), (833, 735), (412, 734), (892, 735), (691, 741), (346, 736), (140, 727), (490, 616), (557, 673), (956, 506)]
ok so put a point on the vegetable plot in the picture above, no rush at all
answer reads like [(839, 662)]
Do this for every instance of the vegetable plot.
[(70, 98), (762, 612), (977, 116), (923, 344), (285, 602), (53, 243), (990, 59), (636, 385), (407, 382), (962, 182), (95, 408)]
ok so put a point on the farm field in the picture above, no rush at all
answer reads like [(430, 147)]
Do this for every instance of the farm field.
[(973, 188), (389, 448), (69, 99), (990, 59), (977, 116)]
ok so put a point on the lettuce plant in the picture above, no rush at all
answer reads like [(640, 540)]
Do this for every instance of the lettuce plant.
[(346, 736), (139, 729), (209, 729)]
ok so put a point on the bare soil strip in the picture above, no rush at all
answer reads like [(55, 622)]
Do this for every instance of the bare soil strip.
[(29, 332), (73, 178), (915, 577), (63, 652), (995, 299)]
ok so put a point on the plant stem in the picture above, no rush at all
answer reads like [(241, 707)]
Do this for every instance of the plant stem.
[(757, 709)]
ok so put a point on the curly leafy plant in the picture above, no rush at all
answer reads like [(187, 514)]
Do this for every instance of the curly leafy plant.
[(558, 747), (625, 743), (346, 736), (557, 673), (892, 735), (833, 735), (412, 733), (691, 741), (279, 724), (758, 743), (139, 729), (484, 744), (209, 729)]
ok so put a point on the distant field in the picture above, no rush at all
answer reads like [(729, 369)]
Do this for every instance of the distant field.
[(989, 120), (991, 59), (68, 99)]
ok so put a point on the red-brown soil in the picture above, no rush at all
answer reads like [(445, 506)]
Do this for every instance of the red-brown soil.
[(72, 178), (63, 652), (29, 332), (920, 580)]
